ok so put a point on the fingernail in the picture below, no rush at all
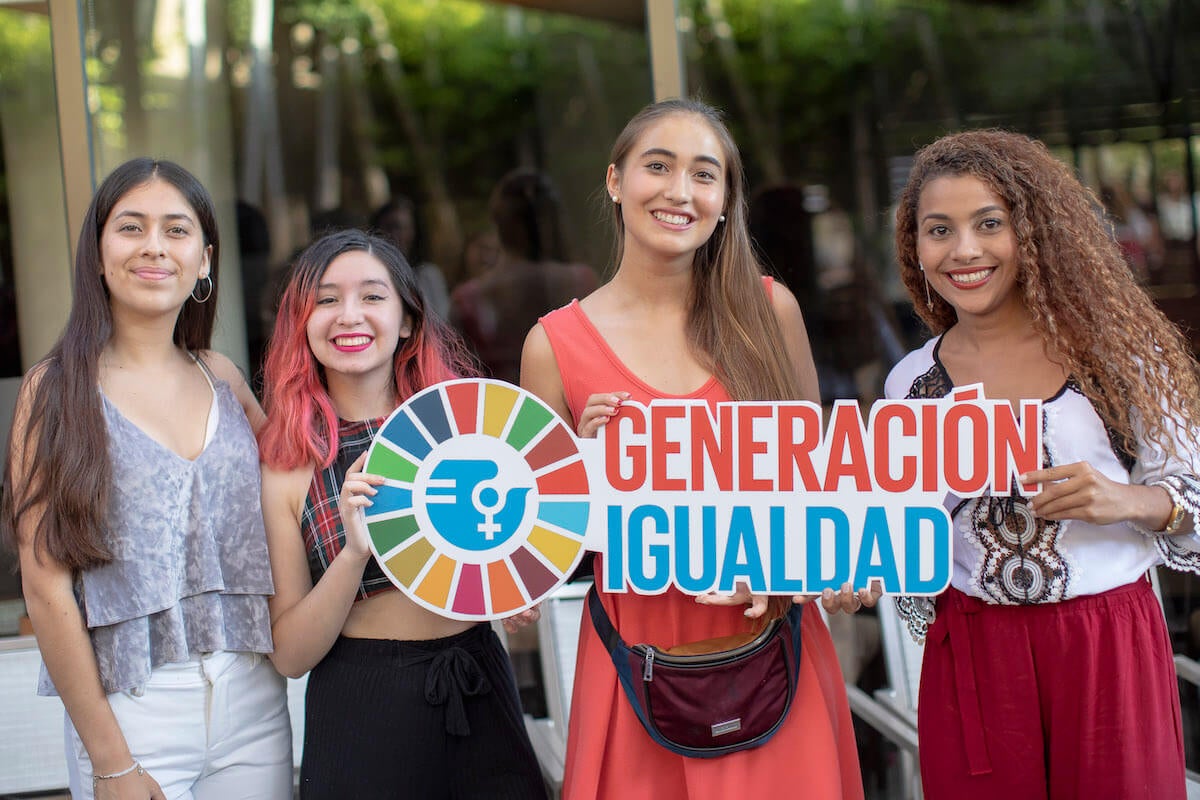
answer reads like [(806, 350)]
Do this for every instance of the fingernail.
[(827, 594)]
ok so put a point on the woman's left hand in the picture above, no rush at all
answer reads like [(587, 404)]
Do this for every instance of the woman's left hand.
[(1079, 491), (517, 621), (740, 596), (847, 600), (357, 490)]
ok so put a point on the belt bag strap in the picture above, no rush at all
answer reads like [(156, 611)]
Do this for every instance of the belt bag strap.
[(703, 706)]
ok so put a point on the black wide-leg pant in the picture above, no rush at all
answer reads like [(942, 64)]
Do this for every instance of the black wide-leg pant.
[(426, 720)]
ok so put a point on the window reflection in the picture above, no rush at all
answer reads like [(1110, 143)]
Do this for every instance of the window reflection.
[(34, 269), (533, 273), (829, 99)]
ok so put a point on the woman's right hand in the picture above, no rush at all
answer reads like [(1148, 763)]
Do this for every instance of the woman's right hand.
[(130, 787), (599, 410), (357, 490)]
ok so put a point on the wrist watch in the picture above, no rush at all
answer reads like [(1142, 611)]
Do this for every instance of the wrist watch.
[(1175, 521)]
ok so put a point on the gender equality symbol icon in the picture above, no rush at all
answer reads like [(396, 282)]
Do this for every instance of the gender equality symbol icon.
[(485, 501)]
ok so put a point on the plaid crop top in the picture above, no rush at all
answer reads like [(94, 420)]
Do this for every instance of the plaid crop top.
[(321, 525)]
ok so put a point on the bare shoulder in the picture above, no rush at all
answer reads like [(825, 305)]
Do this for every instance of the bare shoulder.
[(223, 368), (285, 488), (787, 308), (787, 311), (21, 433), (287, 479), (540, 373), (795, 339), (26, 396), (537, 343), (538, 362)]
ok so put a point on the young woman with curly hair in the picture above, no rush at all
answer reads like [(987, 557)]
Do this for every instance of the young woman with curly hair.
[(1048, 670), (400, 701)]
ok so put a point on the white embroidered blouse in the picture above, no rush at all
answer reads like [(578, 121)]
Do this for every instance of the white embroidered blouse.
[(1005, 555)]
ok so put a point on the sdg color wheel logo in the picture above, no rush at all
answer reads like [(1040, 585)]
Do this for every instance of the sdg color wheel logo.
[(484, 506)]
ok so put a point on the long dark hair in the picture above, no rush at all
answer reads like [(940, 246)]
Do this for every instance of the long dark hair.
[(65, 441), (731, 325)]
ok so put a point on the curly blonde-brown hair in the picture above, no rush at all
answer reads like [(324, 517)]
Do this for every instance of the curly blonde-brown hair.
[(1126, 356)]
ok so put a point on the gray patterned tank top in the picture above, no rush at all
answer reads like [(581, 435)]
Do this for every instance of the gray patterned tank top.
[(190, 572)]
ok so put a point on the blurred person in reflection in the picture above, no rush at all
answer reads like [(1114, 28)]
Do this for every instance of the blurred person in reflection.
[(400, 701), (133, 495), (533, 274), (1048, 670), (481, 252), (1136, 233), (254, 248), (781, 227), (687, 315), (396, 221)]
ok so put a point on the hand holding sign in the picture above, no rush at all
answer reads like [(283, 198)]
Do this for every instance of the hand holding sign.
[(846, 599), (850, 601), (599, 410), (355, 498)]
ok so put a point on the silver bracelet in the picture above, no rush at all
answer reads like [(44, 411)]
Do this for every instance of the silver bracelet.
[(135, 767)]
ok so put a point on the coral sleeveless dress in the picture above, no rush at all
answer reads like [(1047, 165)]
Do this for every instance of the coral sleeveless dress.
[(609, 754)]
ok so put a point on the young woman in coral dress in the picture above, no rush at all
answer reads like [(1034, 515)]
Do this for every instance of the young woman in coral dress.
[(688, 314)]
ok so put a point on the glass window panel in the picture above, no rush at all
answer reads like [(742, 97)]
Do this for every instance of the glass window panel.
[(158, 85), (33, 244), (427, 105), (829, 99), (834, 96)]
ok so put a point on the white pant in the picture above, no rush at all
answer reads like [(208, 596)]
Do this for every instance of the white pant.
[(213, 728)]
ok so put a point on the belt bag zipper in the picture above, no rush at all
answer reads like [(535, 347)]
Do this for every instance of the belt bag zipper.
[(651, 655)]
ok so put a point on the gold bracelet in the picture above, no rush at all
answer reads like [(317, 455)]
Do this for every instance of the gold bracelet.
[(1175, 521), (135, 767)]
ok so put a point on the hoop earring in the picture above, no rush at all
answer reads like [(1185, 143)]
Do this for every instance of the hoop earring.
[(208, 294)]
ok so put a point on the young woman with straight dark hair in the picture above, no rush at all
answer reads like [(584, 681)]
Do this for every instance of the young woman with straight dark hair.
[(133, 499)]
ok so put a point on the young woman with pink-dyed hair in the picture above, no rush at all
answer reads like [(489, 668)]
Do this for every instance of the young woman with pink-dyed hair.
[(400, 700)]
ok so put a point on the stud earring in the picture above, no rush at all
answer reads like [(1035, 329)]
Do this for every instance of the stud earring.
[(614, 199), (721, 218)]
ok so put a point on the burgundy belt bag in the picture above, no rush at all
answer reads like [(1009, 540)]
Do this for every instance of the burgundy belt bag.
[(709, 704)]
